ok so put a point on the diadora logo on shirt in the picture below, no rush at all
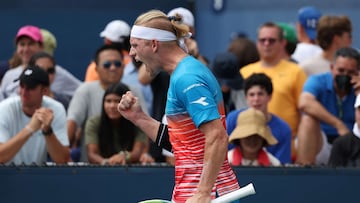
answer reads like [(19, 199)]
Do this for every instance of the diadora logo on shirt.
[(200, 101)]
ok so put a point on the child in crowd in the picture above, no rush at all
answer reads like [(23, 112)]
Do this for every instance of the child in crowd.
[(250, 137)]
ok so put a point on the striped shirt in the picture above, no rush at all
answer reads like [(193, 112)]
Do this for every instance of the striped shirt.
[(194, 97)]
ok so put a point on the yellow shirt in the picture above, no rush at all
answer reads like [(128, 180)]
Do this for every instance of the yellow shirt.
[(288, 80)]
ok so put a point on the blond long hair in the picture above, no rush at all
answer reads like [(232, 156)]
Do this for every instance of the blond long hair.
[(158, 19)]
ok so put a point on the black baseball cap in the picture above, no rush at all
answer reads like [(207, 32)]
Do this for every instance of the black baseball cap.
[(31, 77)]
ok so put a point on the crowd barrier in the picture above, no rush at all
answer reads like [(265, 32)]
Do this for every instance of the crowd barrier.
[(128, 184)]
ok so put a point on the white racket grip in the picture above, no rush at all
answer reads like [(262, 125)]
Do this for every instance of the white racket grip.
[(235, 195)]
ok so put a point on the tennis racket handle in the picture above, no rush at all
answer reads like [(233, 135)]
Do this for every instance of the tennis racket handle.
[(235, 195)]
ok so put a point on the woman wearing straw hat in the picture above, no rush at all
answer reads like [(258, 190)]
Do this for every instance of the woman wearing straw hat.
[(250, 137)]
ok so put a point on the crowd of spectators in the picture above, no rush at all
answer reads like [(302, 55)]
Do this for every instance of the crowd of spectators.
[(290, 97)]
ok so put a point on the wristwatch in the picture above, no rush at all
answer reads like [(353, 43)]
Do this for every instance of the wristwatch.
[(47, 132)]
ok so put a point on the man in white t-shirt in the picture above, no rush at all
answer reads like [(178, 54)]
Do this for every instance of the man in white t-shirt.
[(32, 125)]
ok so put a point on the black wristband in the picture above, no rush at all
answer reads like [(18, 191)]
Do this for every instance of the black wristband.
[(162, 138), (48, 132)]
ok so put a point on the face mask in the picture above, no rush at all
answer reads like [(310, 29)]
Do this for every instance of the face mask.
[(343, 82)]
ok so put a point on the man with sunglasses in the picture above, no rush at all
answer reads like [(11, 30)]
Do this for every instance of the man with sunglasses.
[(87, 99), (116, 33), (47, 62), (32, 125), (287, 77)]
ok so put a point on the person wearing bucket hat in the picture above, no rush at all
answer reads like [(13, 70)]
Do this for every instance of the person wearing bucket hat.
[(287, 77), (258, 90), (226, 68), (308, 18), (346, 149), (250, 137), (40, 126)]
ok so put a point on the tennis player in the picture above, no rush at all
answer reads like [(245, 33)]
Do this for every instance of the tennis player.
[(194, 110)]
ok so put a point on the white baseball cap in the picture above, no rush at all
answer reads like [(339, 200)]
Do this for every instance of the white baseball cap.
[(116, 30), (187, 16), (357, 101)]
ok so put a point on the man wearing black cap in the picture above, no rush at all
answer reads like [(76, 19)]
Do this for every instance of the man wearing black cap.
[(31, 124)]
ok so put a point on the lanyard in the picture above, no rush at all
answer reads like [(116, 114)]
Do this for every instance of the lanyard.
[(339, 105)]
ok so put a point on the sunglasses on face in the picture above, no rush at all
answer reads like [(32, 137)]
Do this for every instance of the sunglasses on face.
[(107, 64), (269, 40), (51, 70)]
